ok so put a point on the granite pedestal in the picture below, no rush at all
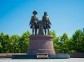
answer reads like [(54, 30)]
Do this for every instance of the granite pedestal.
[(41, 44)]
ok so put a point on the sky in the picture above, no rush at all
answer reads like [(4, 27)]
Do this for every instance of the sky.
[(66, 16)]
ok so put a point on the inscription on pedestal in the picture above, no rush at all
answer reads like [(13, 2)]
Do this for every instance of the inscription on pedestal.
[(42, 55)]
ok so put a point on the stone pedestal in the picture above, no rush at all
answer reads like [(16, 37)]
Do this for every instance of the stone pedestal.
[(41, 44)]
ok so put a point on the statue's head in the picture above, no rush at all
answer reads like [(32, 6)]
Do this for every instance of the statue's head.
[(34, 12), (45, 13)]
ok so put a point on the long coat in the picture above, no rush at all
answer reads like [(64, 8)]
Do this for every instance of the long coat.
[(34, 22), (46, 22)]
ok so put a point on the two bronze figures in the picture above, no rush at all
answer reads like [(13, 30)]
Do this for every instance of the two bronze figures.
[(40, 25)]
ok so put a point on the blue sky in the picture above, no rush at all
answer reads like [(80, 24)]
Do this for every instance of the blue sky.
[(65, 15)]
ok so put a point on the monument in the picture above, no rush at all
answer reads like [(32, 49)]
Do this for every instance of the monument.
[(41, 42)]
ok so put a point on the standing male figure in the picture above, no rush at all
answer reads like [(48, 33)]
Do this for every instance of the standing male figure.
[(46, 22), (34, 23)]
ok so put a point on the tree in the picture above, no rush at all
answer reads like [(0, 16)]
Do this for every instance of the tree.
[(14, 41), (4, 38), (78, 41), (63, 43), (24, 42), (1, 42), (64, 38)]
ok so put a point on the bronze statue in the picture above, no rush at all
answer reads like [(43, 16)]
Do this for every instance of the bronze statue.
[(46, 22), (40, 25), (34, 23)]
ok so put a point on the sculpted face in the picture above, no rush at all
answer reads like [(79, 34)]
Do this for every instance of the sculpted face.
[(34, 12)]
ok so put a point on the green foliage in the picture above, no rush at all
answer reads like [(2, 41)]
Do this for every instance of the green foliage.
[(78, 41), (63, 44), (14, 43), (24, 42)]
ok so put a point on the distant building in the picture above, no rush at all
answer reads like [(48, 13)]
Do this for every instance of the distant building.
[(83, 30)]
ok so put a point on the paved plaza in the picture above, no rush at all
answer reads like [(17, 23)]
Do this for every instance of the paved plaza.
[(42, 60)]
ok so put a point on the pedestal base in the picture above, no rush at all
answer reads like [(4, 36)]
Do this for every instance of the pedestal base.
[(41, 44), (56, 56)]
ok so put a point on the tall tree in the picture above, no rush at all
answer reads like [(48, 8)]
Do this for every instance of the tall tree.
[(4, 38), (77, 38), (24, 42), (63, 43), (14, 41)]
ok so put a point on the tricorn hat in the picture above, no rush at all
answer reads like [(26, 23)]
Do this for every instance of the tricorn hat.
[(34, 12)]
